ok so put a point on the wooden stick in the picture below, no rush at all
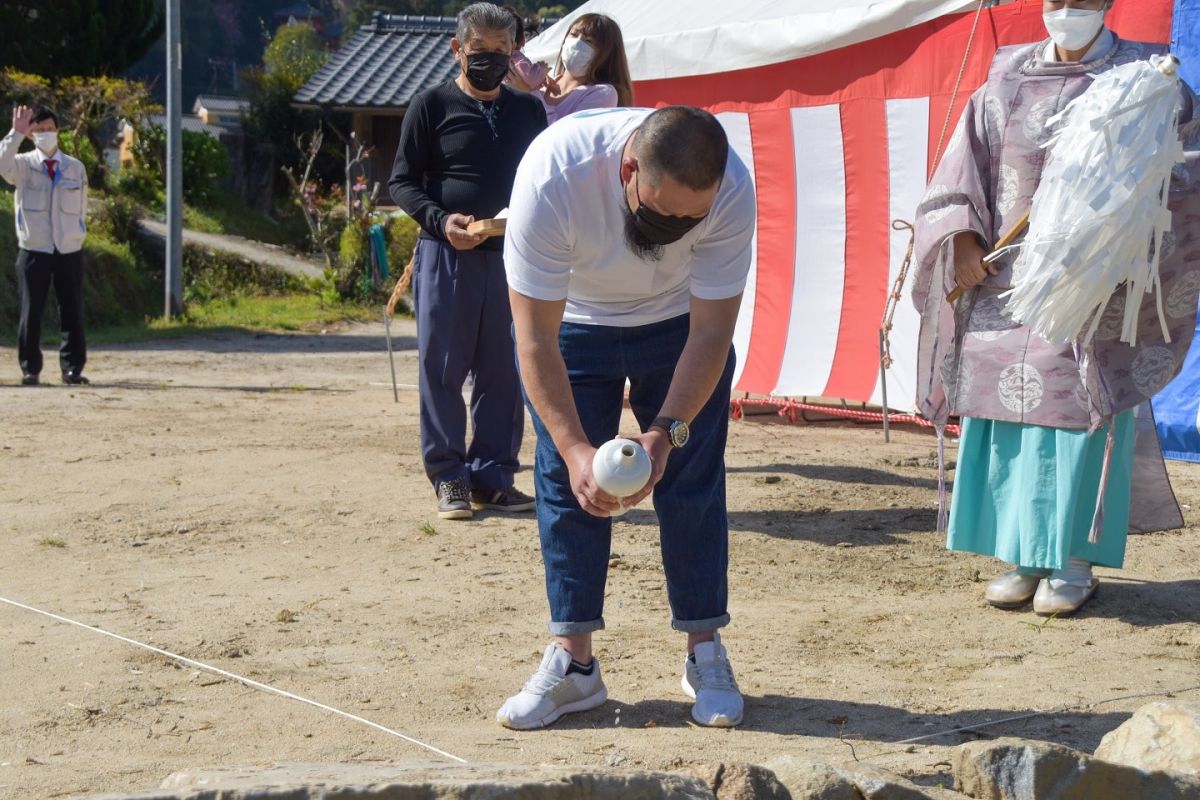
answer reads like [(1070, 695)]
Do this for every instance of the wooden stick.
[(1016, 230)]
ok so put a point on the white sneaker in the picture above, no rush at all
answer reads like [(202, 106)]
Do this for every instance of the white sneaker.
[(552, 692), (709, 681)]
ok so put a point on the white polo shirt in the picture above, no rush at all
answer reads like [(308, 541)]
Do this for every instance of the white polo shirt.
[(565, 234)]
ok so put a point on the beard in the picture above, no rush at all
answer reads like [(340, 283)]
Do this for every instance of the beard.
[(642, 247)]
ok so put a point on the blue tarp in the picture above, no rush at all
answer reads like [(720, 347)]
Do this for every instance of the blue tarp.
[(1185, 40), (1177, 410), (1177, 407)]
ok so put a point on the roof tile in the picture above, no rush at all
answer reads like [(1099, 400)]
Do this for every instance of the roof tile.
[(385, 64)]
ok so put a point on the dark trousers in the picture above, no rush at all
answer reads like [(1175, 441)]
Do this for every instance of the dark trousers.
[(464, 325), (35, 273)]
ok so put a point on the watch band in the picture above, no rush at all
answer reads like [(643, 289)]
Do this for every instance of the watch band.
[(676, 429), (663, 423)]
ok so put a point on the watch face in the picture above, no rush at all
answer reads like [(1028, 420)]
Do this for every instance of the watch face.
[(679, 433)]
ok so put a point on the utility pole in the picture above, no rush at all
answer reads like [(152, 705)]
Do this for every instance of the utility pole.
[(173, 274)]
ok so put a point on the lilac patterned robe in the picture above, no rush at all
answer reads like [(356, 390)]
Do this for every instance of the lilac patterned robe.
[(974, 359)]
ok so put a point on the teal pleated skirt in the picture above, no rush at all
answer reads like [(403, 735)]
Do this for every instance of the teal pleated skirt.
[(1026, 494)]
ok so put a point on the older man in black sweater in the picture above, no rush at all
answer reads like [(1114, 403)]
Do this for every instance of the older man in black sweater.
[(459, 149)]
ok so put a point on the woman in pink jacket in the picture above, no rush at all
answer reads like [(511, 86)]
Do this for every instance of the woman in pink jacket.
[(591, 71)]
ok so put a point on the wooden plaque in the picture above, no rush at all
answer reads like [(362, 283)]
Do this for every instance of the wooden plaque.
[(487, 227)]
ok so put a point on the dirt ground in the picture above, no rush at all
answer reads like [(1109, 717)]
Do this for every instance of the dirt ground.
[(257, 502)]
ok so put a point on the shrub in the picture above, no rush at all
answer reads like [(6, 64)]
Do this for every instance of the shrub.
[(210, 275), (354, 253), (205, 162), (118, 218), (80, 147), (205, 166), (116, 288), (9, 306), (140, 185), (402, 232), (349, 278)]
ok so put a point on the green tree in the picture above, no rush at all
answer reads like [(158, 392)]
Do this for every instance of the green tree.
[(23, 88), (78, 37), (291, 57)]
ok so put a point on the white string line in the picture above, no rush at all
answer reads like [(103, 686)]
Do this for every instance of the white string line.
[(247, 681)]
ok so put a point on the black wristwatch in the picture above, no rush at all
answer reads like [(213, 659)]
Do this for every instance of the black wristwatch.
[(676, 429)]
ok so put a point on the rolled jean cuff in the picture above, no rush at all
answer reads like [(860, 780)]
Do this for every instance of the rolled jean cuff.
[(575, 628), (699, 625)]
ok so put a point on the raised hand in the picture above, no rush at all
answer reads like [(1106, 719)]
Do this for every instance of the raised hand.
[(22, 119)]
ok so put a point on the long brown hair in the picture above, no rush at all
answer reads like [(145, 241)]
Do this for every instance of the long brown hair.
[(609, 64)]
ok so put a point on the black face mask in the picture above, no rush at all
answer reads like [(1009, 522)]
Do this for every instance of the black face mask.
[(642, 247), (486, 71), (659, 228)]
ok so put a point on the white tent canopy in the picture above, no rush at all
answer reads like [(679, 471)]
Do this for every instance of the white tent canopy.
[(702, 37)]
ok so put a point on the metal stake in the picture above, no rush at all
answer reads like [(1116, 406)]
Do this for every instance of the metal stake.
[(887, 435), (387, 329)]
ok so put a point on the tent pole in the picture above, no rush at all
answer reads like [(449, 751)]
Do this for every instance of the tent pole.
[(887, 434)]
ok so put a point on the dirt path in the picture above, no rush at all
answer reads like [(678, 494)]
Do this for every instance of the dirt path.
[(271, 255), (257, 502)]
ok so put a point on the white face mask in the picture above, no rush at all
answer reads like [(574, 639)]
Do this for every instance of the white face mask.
[(46, 141), (1073, 28), (577, 56)]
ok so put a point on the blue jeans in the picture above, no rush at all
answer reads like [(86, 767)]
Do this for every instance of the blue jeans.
[(464, 325), (689, 500)]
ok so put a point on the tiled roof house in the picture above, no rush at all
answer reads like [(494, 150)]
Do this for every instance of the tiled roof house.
[(375, 75)]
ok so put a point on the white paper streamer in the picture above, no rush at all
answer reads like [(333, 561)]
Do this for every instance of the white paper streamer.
[(1100, 211)]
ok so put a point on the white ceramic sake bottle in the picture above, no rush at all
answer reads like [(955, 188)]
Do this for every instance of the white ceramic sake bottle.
[(621, 467)]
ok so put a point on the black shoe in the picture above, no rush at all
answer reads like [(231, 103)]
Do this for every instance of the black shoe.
[(510, 499), (75, 378), (30, 379), (454, 499)]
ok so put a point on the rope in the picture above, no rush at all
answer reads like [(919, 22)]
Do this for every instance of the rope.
[(894, 298), (962, 70), (791, 410), (402, 284), (245, 681)]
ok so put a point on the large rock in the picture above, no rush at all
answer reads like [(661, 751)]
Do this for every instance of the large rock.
[(808, 781), (741, 782), (1160, 736), (422, 781), (1020, 769)]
